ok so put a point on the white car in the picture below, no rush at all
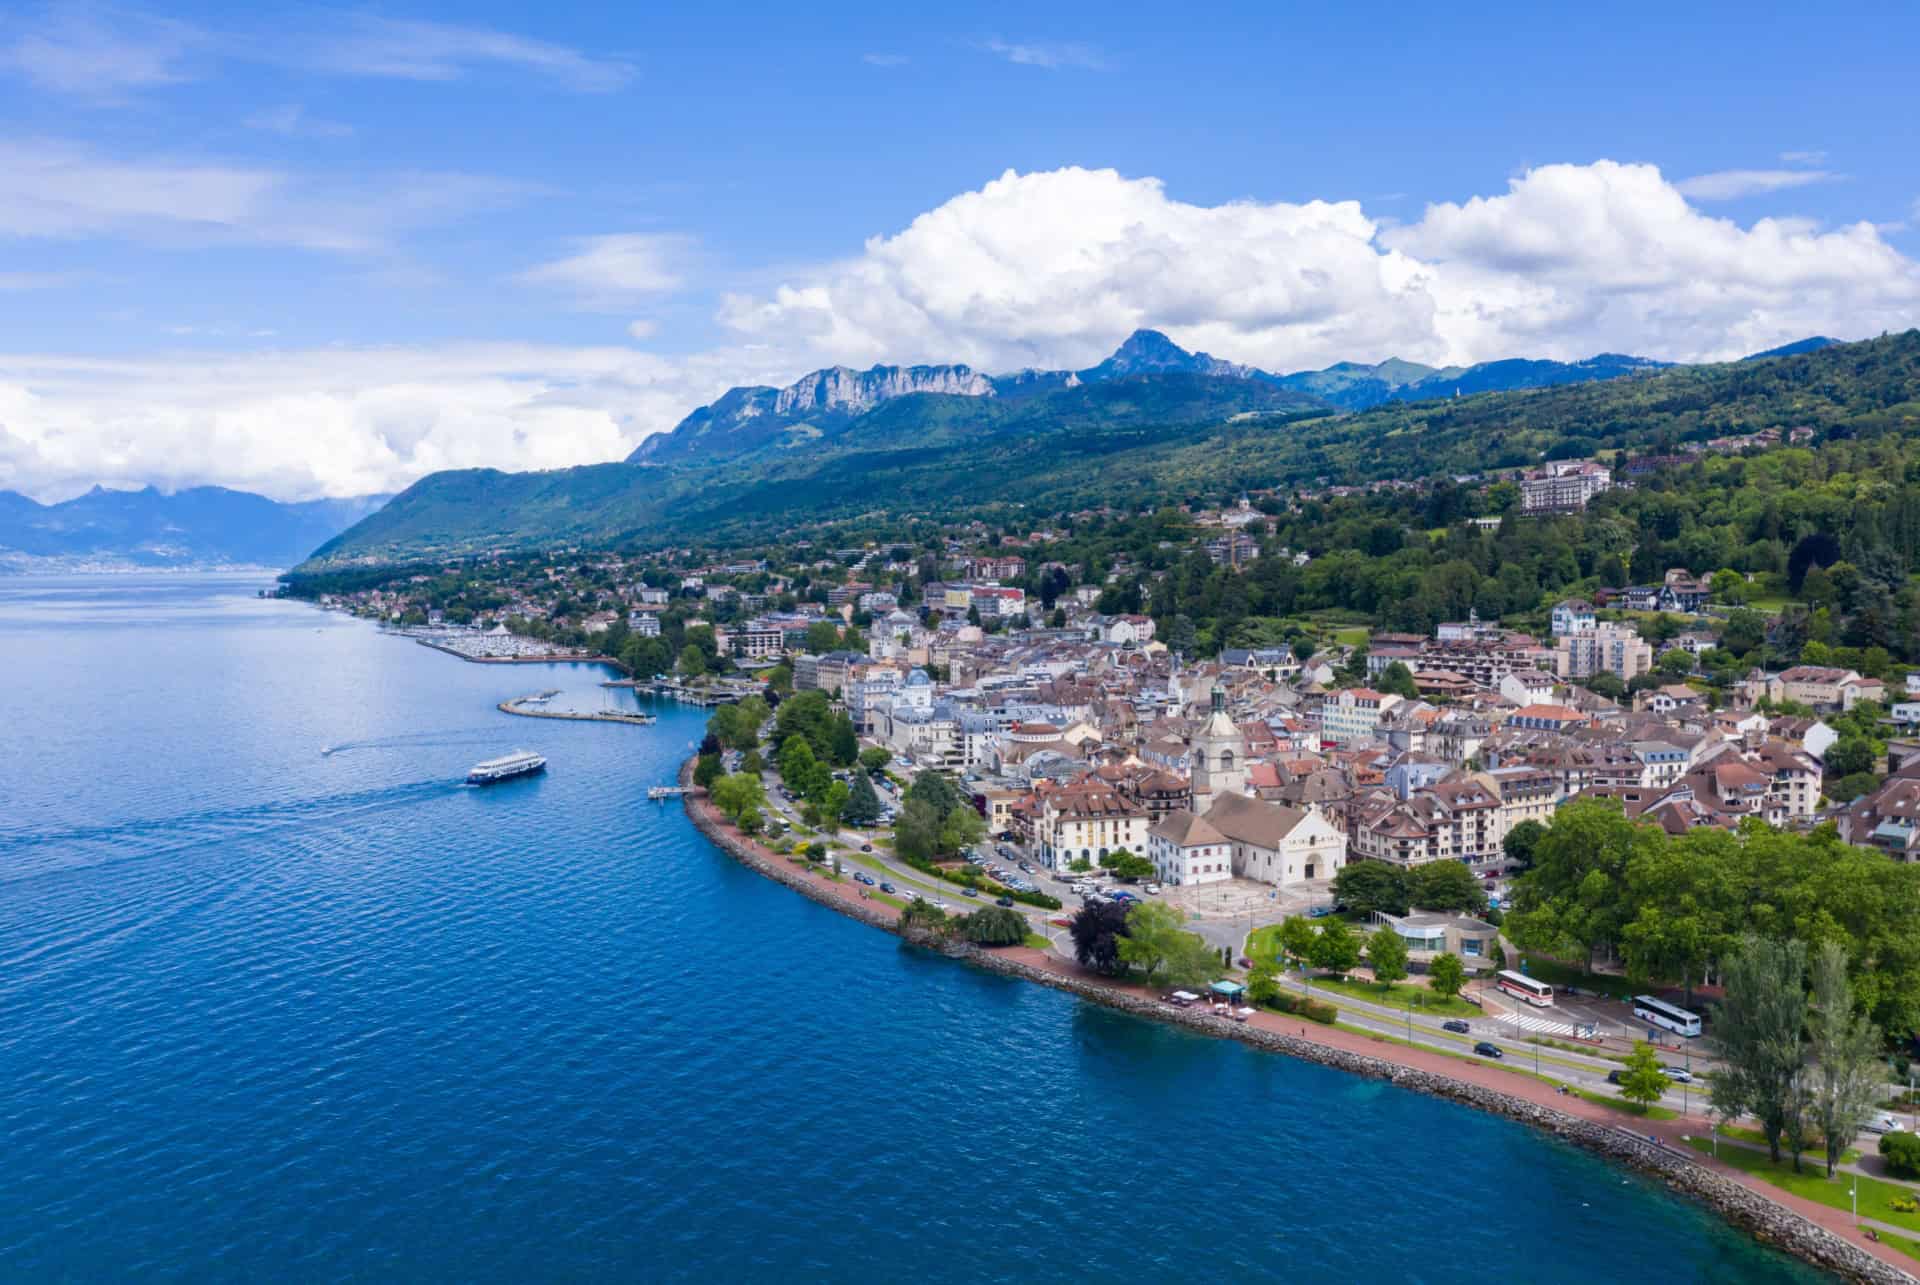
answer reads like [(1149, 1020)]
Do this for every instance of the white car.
[(1882, 1122)]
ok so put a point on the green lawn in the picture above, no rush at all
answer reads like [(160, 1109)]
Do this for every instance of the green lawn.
[(1813, 1184), (1760, 1139), (1038, 942), (1399, 995), (1515, 1068), (1905, 1244)]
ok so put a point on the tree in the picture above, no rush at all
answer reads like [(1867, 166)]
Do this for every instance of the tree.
[(736, 794), (1125, 865), (960, 829), (1263, 985), (797, 764), (1845, 1046), (693, 661), (751, 822), (994, 926), (707, 770), (875, 758), (1849, 755), (1397, 679), (1097, 930), (1677, 663), (935, 790), (1336, 948), (1902, 1153), (1387, 955), (1642, 1080), (832, 804), (1446, 975), (921, 913), (1520, 843), (822, 636), (1756, 1032), (846, 745), (916, 831), (1161, 949), (1364, 887), (1447, 885), (863, 804), (1297, 938)]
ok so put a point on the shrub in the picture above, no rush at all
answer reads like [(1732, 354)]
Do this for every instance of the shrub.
[(1902, 1153), (1300, 1006)]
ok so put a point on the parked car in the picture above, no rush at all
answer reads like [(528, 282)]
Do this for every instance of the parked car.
[(1882, 1122), (1457, 1026), (1485, 1049), (1151, 889)]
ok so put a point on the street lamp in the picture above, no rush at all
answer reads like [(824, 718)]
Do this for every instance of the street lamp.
[(1853, 1191)]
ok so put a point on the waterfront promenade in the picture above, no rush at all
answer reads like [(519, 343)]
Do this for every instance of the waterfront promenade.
[(1275, 1030)]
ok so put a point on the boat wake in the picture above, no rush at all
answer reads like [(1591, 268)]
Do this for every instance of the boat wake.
[(414, 740), (32, 853)]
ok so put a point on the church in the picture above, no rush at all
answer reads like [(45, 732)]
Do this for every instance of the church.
[(1229, 834)]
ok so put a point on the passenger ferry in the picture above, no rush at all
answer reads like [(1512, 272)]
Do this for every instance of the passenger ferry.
[(506, 767)]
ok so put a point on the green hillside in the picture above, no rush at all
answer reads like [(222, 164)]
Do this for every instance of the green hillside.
[(1138, 440)]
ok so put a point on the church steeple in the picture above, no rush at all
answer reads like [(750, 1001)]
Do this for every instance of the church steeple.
[(1219, 754)]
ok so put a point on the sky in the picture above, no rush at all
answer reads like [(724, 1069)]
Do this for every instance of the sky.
[(316, 251)]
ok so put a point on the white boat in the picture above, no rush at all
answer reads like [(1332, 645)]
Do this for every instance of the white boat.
[(506, 767)]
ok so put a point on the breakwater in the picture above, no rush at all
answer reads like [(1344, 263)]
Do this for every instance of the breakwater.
[(1765, 1219)]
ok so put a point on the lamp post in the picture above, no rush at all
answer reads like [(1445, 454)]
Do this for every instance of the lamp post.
[(1853, 1192)]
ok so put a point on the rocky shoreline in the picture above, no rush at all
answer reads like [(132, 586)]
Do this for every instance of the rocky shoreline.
[(1765, 1220)]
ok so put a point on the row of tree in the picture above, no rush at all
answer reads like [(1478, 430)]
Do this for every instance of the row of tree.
[(1676, 909)]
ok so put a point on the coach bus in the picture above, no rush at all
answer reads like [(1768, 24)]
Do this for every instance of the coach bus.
[(1525, 988), (1678, 1020)]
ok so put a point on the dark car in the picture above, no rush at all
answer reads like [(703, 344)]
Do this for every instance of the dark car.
[(1485, 1049), (1615, 1077), (969, 892), (1457, 1026), (886, 887), (1003, 901), (866, 847)]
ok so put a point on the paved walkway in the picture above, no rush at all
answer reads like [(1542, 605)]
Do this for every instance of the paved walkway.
[(1667, 1133)]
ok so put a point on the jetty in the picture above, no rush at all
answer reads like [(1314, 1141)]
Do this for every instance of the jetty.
[(706, 696), (529, 707), (665, 791)]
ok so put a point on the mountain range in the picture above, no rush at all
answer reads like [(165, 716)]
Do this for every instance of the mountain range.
[(1144, 431), (823, 403), (206, 526)]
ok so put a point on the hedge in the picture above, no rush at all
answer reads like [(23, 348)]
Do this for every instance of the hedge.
[(1902, 1152), (1313, 1010)]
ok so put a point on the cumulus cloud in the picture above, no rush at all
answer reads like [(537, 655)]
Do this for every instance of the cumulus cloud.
[(1731, 185), (334, 422), (1044, 269), (604, 270), (1054, 268)]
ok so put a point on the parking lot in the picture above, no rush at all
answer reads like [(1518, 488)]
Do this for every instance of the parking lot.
[(1246, 899)]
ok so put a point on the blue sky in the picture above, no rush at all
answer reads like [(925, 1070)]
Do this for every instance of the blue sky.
[(318, 250)]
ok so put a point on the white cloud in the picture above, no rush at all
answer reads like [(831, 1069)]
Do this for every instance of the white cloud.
[(1804, 158), (1731, 185), (290, 120), (1054, 268), (885, 60), (1049, 56), (641, 328), (437, 51), (604, 270), (84, 51), (55, 189), (1048, 269), (333, 422)]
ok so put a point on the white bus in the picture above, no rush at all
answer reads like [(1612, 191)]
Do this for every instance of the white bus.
[(1525, 988), (1678, 1020)]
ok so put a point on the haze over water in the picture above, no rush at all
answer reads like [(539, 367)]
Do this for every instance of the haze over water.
[(281, 999)]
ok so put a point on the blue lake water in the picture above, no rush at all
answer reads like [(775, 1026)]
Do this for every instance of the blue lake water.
[(281, 999)]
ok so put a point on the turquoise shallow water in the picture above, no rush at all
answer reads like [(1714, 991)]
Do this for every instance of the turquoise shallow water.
[(281, 999)]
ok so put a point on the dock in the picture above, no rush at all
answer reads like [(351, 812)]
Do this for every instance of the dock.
[(524, 707), (665, 791)]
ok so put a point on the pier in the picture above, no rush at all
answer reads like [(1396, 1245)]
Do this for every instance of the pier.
[(705, 697), (665, 791), (526, 707)]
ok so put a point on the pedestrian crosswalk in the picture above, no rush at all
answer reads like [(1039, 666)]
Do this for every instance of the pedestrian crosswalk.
[(1538, 1025)]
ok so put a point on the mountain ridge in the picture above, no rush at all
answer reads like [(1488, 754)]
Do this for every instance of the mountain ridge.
[(197, 527)]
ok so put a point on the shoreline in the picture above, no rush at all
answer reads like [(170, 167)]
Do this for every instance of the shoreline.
[(1800, 1229), (608, 661)]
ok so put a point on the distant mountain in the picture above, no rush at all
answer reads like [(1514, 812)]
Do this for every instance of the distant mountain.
[(205, 526), (746, 420), (1140, 439), (1794, 349)]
